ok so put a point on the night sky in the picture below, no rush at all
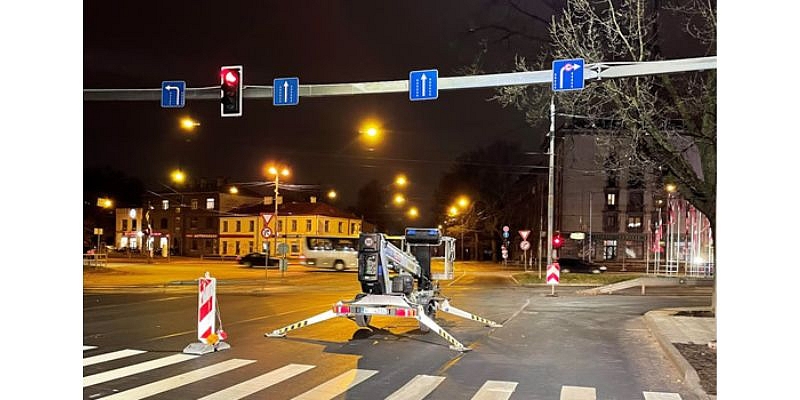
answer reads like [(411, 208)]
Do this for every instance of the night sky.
[(140, 44)]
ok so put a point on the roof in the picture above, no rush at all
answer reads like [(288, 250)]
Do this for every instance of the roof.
[(295, 208)]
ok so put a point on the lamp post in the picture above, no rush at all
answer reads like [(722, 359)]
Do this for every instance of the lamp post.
[(277, 171)]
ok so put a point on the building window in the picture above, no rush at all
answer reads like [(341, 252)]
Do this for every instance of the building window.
[(295, 248), (194, 204), (352, 228), (238, 227), (224, 247), (634, 224), (194, 244), (238, 248), (327, 226), (209, 222), (308, 225), (250, 246), (252, 226), (341, 227), (164, 223), (224, 226), (210, 203), (294, 225), (124, 225), (610, 223), (610, 249), (280, 226), (193, 223), (611, 199), (165, 204), (133, 225)]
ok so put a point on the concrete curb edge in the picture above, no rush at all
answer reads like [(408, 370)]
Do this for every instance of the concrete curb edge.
[(689, 374)]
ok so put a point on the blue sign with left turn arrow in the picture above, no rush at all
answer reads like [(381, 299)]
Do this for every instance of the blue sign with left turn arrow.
[(173, 94)]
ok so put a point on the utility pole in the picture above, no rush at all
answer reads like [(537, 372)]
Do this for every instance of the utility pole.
[(550, 181)]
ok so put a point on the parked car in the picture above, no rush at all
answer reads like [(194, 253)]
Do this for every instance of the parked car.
[(576, 265), (257, 259)]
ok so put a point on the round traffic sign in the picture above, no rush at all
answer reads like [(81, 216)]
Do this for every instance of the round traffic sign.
[(506, 228), (266, 233), (524, 245)]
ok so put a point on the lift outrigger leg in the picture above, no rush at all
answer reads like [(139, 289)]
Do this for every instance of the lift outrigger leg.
[(306, 322)]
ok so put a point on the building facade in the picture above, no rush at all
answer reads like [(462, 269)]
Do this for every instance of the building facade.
[(256, 229)]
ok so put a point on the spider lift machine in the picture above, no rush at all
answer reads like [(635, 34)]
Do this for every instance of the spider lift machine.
[(397, 282)]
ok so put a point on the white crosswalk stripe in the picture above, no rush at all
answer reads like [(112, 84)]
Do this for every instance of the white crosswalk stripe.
[(417, 388), (135, 369), (338, 385), (495, 390), (661, 396), (163, 385), (110, 356), (578, 393), (258, 383)]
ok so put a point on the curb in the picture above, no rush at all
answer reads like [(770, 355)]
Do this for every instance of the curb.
[(687, 371)]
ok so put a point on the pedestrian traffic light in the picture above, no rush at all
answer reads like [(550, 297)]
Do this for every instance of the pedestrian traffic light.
[(558, 241), (231, 91)]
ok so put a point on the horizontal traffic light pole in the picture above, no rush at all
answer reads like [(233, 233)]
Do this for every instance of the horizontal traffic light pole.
[(593, 72)]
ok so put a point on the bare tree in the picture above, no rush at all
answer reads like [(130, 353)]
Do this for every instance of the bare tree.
[(663, 123)]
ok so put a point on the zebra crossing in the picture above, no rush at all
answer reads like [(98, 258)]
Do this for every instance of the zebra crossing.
[(417, 388)]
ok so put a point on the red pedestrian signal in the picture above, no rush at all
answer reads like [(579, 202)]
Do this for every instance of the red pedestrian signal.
[(558, 241), (231, 91)]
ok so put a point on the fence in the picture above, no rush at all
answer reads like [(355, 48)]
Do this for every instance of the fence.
[(95, 260)]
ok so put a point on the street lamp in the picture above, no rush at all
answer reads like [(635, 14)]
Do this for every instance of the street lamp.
[(189, 124), (413, 212), (332, 195), (277, 171), (178, 176)]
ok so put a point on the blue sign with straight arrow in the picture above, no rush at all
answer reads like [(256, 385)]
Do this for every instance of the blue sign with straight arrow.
[(423, 85), (286, 92)]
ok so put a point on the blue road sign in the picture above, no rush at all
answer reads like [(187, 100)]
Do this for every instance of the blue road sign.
[(286, 92), (173, 94), (568, 74), (423, 85)]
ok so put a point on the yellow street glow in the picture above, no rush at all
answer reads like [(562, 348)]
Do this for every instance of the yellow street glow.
[(413, 212), (332, 194), (233, 190), (401, 180), (178, 176), (463, 201), (399, 199)]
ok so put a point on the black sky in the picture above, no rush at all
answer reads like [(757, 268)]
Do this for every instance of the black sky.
[(140, 44)]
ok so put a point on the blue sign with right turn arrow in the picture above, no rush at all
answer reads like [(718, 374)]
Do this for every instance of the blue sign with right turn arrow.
[(568, 74)]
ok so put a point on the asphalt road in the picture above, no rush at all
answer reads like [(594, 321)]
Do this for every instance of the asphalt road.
[(547, 346)]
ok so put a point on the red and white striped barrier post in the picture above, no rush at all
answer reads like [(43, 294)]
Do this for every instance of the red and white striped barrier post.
[(210, 339), (553, 276)]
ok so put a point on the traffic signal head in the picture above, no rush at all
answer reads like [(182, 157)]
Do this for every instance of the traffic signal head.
[(558, 241), (231, 91)]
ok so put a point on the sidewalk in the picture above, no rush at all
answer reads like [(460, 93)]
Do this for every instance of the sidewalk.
[(669, 329)]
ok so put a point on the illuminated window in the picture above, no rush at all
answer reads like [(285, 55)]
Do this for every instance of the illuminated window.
[(611, 199), (165, 204), (194, 204), (210, 203), (252, 227), (634, 222)]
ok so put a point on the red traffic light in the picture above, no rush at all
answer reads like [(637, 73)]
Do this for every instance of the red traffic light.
[(230, 76), (558, 241), (231, 91)]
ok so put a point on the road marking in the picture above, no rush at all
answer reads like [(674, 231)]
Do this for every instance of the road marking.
[(135, 369), (163, 385), (578, 393), (111, 356), (495, 390), (258, 383), (661, 396), (85, 347), (338, 385), (417, 388)]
